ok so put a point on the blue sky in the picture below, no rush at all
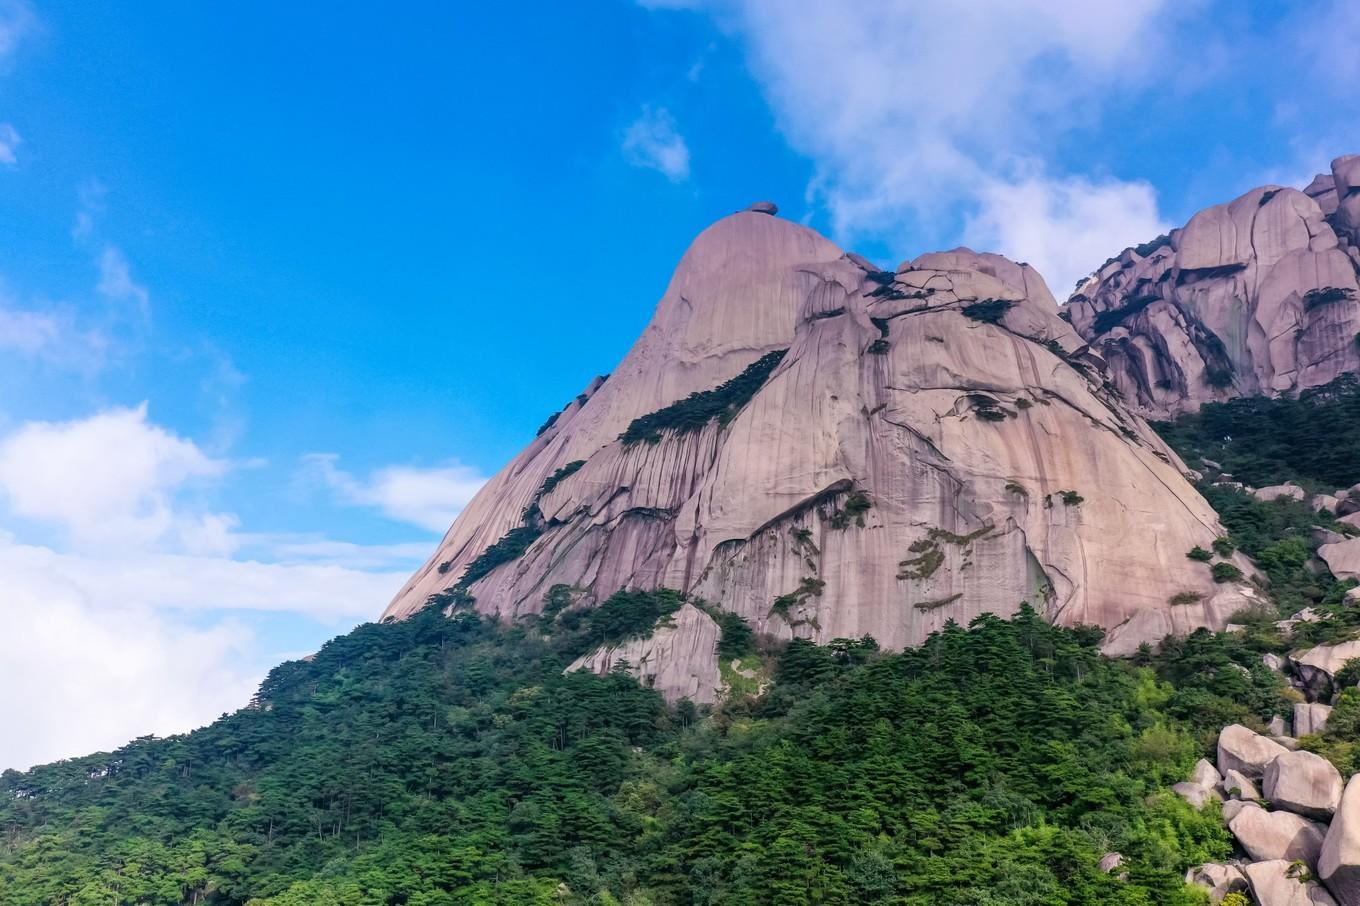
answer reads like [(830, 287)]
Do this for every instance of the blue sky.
[(280, 284)]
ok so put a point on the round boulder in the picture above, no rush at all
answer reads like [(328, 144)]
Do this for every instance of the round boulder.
[(764, 207)]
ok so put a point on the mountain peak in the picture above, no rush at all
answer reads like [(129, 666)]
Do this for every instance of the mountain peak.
[(827, 450)]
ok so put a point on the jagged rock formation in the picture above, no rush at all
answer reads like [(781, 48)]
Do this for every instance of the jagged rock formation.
[(1257, 296), (934, 444)]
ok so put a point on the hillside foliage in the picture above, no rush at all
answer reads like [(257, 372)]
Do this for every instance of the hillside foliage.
[(449, 761), (1313, 439), (703, 406)]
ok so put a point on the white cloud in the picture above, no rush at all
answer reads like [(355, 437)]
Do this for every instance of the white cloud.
[(109, 480), (9, 144), (653, 141), (1064, 227), (912, 111), (189, 582), (88, 678), (141, 627), (109, 650), (115, 278), (429, 498)]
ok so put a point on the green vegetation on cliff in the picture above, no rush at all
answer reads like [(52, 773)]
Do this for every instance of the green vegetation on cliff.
[(449, 761)]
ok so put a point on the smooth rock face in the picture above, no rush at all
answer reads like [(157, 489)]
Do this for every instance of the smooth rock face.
[(1339, 864), (679, 659), (1304, 783), (1218, 878), (1277, 835), (1310, 718), (1233, 806), (1243, 750), (1109, 862), (962, 435), (1276, 883), (1257, 296)]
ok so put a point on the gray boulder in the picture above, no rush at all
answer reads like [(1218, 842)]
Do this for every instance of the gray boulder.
[(1277, 835), (1236, 785), (1276, 491), (1240, 749), (764, 207), (1233, 806), (1304, 783), (1195, 794), (1279, 883), (1205, 774), (1339, 863), (1220, 879)]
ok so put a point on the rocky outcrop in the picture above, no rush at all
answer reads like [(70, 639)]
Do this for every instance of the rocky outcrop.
[(1220, 880), (1316, 666), (1342, 558), (1275, 492), (1246, 751), (1237, 785), (1310, 717), (1277, 835), (1257, 296), (1304, 783), (1279, 882), (1339, 863), (916, 447), (679, 659)]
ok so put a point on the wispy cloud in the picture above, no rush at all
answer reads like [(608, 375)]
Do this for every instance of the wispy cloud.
[(654, 142), (115, 279), (17, 20), (9, 144), (429, 498), (913, 111)]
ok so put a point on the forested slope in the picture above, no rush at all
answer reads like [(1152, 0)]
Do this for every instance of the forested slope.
[(449, 761)]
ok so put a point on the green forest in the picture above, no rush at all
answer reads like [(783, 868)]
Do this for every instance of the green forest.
[(450, 760)]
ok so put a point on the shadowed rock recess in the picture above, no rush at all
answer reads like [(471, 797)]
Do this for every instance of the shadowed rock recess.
[(1257, 296), (832, 451)]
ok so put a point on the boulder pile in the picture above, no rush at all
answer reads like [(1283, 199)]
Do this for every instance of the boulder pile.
[(1296, 821)]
